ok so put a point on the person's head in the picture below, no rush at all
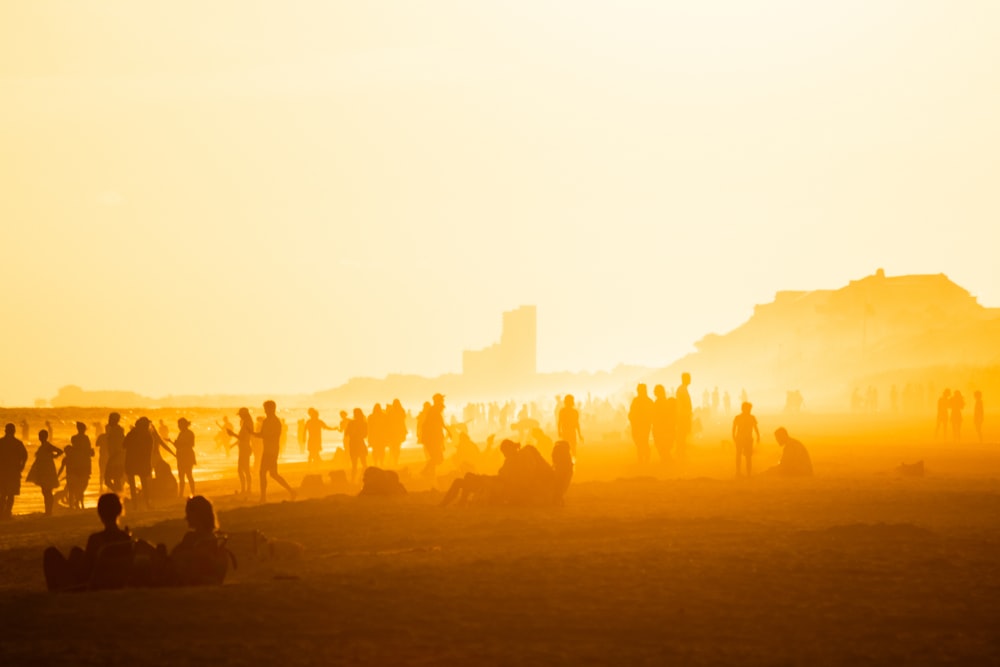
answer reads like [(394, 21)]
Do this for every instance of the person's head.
[(569, 401), (244, 415), (313, 413), (977, 394), (270, 407), (183, 424), (142, 423), (377, 409), (685, 378), (114, 418), (81, 428), (109, 508), (199, 514), (781, 435), (508, 448), (359, 414), (746, 407), (438, 400), (43, 435), (343, 414), (9, 429), (641, 390), (659, 391)]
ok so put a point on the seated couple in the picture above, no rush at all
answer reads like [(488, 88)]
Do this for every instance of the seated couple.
[(525, 478)]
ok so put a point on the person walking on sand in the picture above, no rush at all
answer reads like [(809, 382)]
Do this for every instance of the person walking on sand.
[(744, 430), (977, 414), (313, 430), (186, 459), (43, 471), (13, 457), (640, 416), (244, 447), (569, 424), (685, 414), (270, 434)]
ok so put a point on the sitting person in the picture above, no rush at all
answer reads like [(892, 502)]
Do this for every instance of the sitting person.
[(795, 461), (82, 569), (379, 482), (525, 478), (201, 558)]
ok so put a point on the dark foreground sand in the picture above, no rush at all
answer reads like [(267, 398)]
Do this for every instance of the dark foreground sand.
[(868, 570)]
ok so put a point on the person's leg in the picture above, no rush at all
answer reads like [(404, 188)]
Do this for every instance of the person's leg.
[(47, 497), (56, 569), (263, 483), (281, 480)]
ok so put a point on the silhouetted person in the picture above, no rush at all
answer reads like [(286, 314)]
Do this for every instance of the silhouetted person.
[(200, 559), (525, 478), (397, 430), (977, 415), (744, 430), (356, 437), (270, 433), (795, 461), (640, 417), (378, 432), (138, 445), (43, 471), (25, 431), (569, 424), (943, 405), (114, 472), (101, 445), (313, 430), (957, 404), (13, 458), (379, 482), (78, 570), (433, 432), (244, 446), (664, 426), (685, 414), (78, 462), (222, 437), (186, 459)]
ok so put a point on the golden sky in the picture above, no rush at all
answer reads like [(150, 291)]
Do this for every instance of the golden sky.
[(275, 196)]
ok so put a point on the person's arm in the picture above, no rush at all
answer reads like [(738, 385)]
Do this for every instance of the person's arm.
[(757, 431)]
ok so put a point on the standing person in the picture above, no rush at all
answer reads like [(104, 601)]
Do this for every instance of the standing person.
[(377, 432), (977, 415), (433, 434), (397, 431), (222, 437), (114, 471), (640, 416), (744, 430), (25, 431), (101, 445), (664, 422), (568, 424), (270, 434), (957, 405), (79, 466), (43, 470), (244, 448), (354, 439), (685, 413), (138, 446), (186, 459), (13, 457), (944, 402), (313, 433)]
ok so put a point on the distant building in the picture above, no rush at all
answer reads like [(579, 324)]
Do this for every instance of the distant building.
[(511, 360)]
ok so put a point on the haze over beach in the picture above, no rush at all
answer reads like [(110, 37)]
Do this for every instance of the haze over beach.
[(499, 333), (287, 197)]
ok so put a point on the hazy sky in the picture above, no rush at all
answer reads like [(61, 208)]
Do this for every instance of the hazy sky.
[(275, 196)]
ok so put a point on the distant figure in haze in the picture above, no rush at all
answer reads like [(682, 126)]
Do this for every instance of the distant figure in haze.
[(355, 437), (25, 430), (270, 433), (43, 470), (957, 405), (743, 396), (114, 471), (664, 422), (300, 435), (433, 433), (138, 445), (13, 458), (51, 431), (685, 414), (378, 432), (244, 446), (795, 461), (313, 430), (977, 415), (164, 431), (186, 459), (397, 431), (744, 430), (640, 416), (78, 570), (569, 424), (943, 404), (222, 437)]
